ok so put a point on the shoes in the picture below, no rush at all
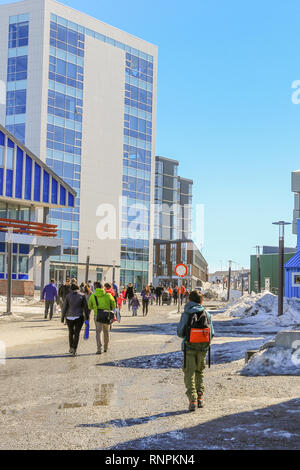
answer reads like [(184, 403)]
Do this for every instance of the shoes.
[(99, 352), (192, 406), (71, 350), (105, 350), (74, 353), (200, 400)]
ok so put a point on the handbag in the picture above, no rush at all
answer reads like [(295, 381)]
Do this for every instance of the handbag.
[(103, 316)]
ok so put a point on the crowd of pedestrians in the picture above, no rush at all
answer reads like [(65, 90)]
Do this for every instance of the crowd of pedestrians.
[(105, 302)]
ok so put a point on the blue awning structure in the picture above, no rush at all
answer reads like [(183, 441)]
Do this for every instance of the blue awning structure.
[(26, 180)]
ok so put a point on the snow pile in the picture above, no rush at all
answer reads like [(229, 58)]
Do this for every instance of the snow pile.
[(274, 361), (265, 308), (19, 300), (216, 292)]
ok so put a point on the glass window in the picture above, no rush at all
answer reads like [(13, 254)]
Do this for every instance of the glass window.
[(23, 264), (28, 178), (37, 183)]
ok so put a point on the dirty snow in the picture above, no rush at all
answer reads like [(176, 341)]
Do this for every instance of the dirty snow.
[(274, 361)]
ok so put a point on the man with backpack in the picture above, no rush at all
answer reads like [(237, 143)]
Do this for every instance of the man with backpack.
[(103, 304), (196, 329)]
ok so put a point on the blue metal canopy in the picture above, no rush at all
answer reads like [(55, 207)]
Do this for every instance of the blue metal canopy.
[(25, 179)]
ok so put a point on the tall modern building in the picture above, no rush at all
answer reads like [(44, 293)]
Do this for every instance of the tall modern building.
[(173, 227), (82, 96), (173, 202)]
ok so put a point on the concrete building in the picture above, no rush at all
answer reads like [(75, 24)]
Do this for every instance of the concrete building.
[(28, 190), (173, 227), (167, 254), (173, 202), (82, 95)]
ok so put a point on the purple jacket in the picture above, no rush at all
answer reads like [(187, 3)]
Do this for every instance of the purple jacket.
[(50, 291), (135, 303)]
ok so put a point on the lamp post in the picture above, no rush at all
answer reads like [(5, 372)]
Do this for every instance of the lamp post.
[(281, 225), (114, 271), (87, 266), (258, 269), (229, 279), (9, 270)]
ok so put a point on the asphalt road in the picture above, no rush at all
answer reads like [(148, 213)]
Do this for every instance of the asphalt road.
[(133, 397)]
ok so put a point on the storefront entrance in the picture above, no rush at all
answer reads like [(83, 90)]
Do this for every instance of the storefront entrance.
[(61, 273)]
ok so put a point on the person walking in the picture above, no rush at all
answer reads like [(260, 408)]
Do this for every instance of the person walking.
[(135, 303), (175, 295), (63, 291), (102, 303), (194, 353), (129, 294), (152, 289), (49, 295), (115, 288), (146, 296), (158, 293), (181, 292), (76, 311)]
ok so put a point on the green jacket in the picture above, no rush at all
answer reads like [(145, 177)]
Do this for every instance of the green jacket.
[(190, 309), (105, 301)]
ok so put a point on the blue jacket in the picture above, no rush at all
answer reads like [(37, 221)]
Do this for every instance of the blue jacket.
[(50, 291), (190, 309)]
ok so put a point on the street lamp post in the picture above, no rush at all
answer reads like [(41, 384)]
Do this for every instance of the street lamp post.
[(9, 270), (114, 271), (229, 280), (87, 266), (281, 225)]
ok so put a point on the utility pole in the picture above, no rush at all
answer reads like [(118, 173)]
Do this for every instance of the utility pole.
[(258, 269), (114, 271), (281, 225), (229, 280), (242, 281)]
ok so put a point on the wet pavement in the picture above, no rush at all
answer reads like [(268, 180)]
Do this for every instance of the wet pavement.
[(133, 396)]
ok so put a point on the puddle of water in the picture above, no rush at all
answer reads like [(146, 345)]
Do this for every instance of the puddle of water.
[(103, 394), (71, 405)]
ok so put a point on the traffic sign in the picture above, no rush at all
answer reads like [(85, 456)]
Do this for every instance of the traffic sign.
[(181, 270)]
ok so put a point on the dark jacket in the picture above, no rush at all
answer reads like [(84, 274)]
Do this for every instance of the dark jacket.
[(75, 305), (135, 303), (129, 293), (159, 291), (63, 291), (190, 309)]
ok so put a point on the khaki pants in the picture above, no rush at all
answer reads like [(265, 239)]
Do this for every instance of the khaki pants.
[(194, 373), (99, 328)]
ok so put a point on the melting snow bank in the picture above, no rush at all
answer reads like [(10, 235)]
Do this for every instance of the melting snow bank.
[(274, 361), (264, 308), (11, 318)]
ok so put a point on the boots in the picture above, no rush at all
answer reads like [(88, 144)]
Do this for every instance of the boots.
[(192, 406), (200, 400)]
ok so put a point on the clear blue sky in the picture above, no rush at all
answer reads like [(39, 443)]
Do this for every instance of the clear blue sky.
[(224, 108)]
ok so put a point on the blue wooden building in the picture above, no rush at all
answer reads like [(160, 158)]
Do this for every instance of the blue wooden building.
[(292, 271)]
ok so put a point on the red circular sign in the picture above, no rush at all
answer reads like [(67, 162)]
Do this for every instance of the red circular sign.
[(181, 270)]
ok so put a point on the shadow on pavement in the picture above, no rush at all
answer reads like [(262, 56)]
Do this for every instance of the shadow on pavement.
[(49, 356), (273, 427), (122, 423), (158, 328)]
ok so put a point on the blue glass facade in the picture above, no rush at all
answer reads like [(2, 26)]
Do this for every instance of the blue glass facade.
[(66, 74), (64, 129), (20, 262), (17, 75)]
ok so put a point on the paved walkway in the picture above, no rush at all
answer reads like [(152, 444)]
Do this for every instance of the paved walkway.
[(133, 397)]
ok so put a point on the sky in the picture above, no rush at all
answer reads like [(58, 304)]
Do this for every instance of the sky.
[(224, 109)]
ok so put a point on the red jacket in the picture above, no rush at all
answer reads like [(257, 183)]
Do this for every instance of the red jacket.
[(111, 291)]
